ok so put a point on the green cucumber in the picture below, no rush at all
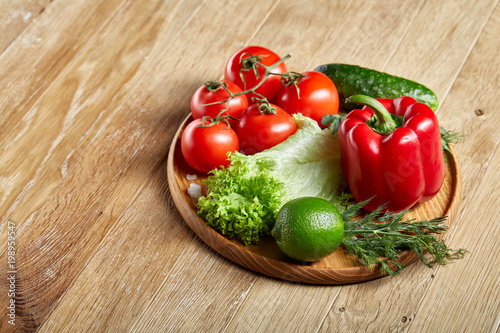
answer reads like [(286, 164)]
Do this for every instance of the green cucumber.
[(353, 80)]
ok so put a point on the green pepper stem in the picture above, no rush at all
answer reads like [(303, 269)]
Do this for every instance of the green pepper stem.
[(384, 124)]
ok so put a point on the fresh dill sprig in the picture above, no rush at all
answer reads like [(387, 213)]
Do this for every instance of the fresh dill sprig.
[(333, 121), (448, 137), (379, 238)]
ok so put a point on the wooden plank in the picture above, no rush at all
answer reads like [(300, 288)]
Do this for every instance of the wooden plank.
[(366, 308), (470, 303), (25, 78), (166, 316), (369, 39), (116, 167), (476, 288), (438, 42), (468, 109), (73, 110), (16, 16), (202, 293), (280, 306), (28, 111), (251, 314), (124, 59), (375, 312), (141, 255), (279, 31)]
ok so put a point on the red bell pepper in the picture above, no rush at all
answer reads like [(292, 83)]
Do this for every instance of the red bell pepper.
[(391, 152)]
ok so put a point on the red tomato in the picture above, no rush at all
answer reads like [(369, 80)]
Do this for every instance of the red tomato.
[(214, 92), (318, 96), (258, 131), (206, 148), (270, 87)]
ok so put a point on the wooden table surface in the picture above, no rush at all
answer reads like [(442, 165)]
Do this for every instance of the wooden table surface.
[(92, 92)]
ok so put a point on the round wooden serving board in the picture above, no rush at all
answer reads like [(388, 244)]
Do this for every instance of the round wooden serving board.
[(266, 257)]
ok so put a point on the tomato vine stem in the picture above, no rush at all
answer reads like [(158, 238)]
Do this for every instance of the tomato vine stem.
[(267, 72)]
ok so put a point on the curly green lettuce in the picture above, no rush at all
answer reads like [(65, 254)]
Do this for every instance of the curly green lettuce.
[(240, 205), (243, 200)]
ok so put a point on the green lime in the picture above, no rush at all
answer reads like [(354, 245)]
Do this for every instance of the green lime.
[(308, 228)]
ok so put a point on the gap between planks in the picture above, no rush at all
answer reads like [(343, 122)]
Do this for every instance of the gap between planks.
[(26, 188), (466, 58), (465, 206), (142, 189), (161, 163), (65, 70), (41, 11), (196, 238)]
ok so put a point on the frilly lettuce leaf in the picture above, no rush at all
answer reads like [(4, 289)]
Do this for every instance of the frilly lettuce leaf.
[(242, 201), (240, 205)]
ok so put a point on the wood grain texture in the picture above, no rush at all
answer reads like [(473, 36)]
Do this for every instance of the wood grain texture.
[(27, 76), (456, 113), (475, 154), (475, 290), (78, 101), (438, 42), (92, 94), (16, 16), (201, 17), (93, 187)]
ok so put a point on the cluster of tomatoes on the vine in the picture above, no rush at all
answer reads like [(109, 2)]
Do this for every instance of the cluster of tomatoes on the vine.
[(250, 109)]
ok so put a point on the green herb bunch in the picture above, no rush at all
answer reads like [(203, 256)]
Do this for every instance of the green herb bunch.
[(379, 238), (448, 137)]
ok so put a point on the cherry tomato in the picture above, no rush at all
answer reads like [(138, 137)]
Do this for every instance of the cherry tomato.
[(272, 84), (206, 148), (213, 91), (317, 96), (259, 130)]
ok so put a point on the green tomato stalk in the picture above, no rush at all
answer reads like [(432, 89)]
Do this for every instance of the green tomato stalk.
[(249, 63)]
